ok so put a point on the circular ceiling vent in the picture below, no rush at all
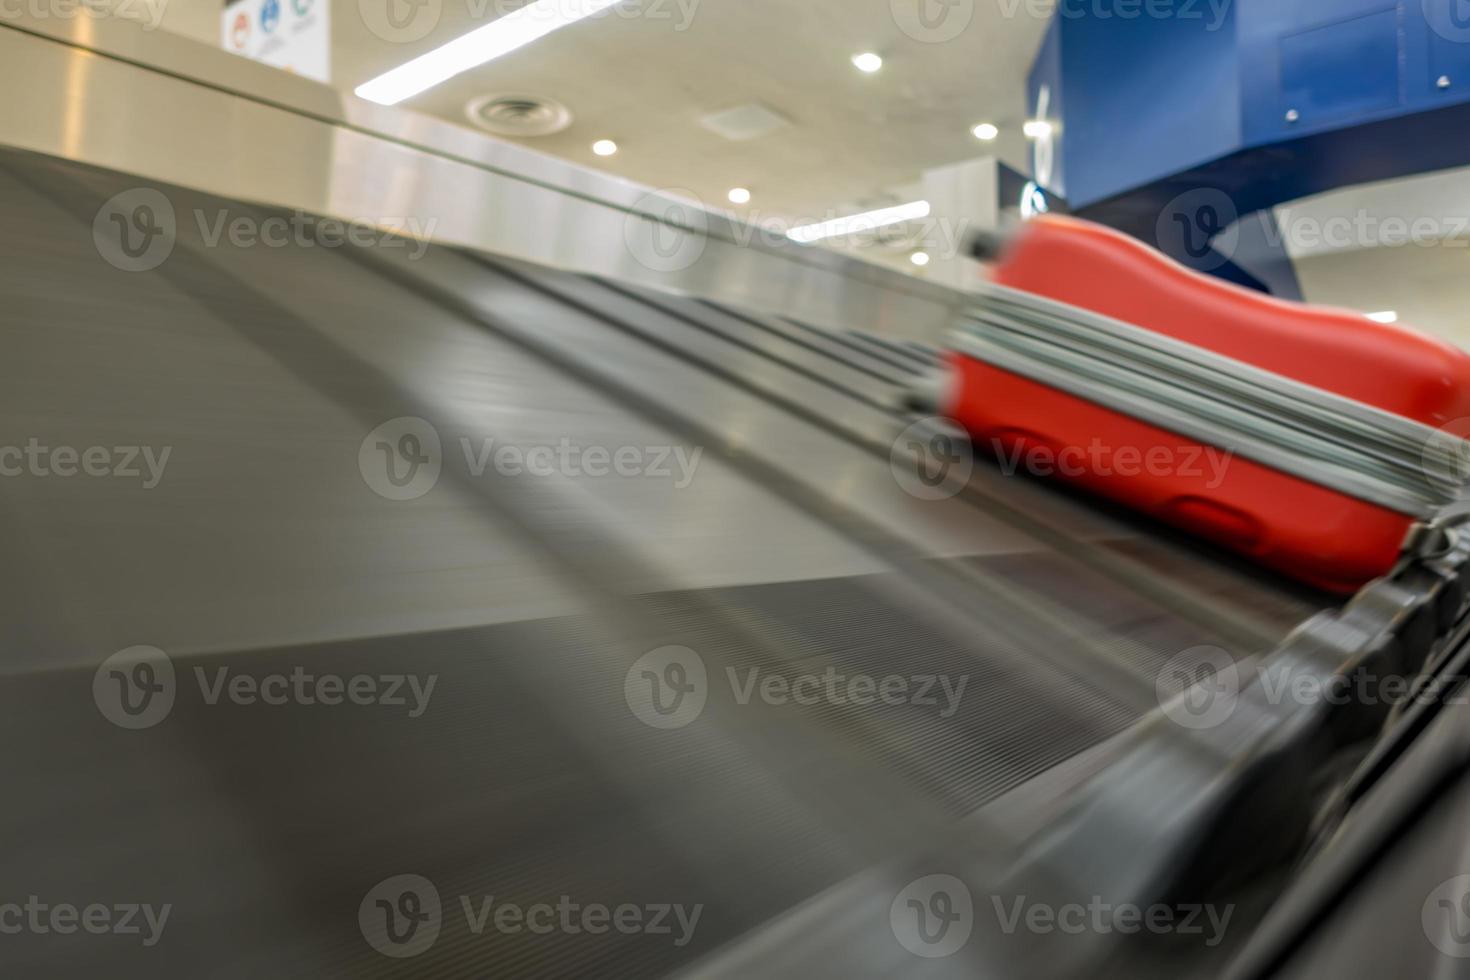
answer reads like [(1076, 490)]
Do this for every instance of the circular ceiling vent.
[(519, 115)]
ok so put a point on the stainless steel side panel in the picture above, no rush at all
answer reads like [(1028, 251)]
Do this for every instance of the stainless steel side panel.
[(169, 110)]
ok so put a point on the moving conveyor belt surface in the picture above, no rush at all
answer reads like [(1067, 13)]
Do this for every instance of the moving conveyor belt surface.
[(263, 549), (566, 670)]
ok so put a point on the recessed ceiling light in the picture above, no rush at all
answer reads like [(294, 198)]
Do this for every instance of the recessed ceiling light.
[(1037, 129), (739, 195), (858, 223), (867, 62), (499, 37), (986, 132), (919, 259), (604, 148), (1387, 316)]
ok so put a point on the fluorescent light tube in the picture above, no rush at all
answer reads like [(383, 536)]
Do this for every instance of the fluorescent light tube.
[(499, 37), (857, 223)]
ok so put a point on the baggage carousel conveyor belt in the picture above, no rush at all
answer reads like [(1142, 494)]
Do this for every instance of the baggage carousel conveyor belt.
[(799, 366), (261, 384)]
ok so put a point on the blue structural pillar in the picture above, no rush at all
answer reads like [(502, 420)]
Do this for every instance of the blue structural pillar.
[(1183, 122)]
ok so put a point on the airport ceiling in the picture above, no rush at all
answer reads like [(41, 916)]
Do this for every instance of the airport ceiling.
[(645, 74)]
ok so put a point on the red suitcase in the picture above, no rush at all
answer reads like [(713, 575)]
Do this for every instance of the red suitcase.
[(1310, 530)]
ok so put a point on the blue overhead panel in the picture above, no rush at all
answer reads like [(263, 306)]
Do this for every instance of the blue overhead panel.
[(1173, 116), (1144, 97)]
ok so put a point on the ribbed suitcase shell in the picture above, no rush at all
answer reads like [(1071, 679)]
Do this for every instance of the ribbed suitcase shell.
[(1307, 531)]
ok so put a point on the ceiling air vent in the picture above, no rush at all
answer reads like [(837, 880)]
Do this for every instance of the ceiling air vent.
[(519, 115)]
